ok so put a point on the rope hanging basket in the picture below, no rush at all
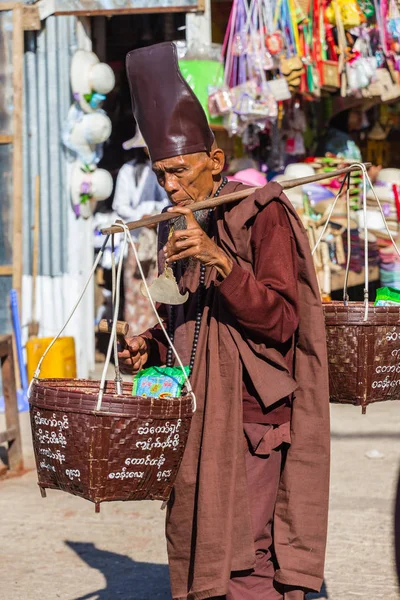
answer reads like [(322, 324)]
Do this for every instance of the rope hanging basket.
[(363, 340), (95, 440)]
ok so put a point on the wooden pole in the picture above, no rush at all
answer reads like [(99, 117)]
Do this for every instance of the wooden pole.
[(228, 198)]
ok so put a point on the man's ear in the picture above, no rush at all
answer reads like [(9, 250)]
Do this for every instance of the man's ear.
[(218, 159)]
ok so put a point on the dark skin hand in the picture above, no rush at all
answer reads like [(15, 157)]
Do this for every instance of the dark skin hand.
[(194, 242), (186, 179), (134, 356)]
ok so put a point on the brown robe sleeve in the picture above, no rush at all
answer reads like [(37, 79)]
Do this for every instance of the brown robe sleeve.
[(265, 304)]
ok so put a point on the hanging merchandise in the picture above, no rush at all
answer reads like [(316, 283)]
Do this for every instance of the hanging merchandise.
[(393, 30), (246, 98), (274, 50), (91, 80), (383, 87), (325, 53), (203, 69), (293, 128), (85, 133), (291, 64), (88, 187), (350, 13)]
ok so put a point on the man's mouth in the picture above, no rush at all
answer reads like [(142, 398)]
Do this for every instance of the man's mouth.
[(184, 202)]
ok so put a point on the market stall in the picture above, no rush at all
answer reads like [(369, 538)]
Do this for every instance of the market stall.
[(300, 80)]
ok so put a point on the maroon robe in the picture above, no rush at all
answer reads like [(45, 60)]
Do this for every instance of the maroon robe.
[(209, 529)]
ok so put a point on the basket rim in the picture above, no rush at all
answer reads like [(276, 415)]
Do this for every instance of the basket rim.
[(353, 304), (44, 385)]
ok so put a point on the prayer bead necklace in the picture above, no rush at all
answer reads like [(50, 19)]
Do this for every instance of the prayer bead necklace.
[(200, 297)]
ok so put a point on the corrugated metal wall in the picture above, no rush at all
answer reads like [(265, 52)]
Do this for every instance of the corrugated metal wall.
[(47, 100), (66, 244)]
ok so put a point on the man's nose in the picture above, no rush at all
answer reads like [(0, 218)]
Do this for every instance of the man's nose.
[(170, 183)]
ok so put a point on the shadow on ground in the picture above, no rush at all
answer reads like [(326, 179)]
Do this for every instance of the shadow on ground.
[(131, 580), (125, 578)]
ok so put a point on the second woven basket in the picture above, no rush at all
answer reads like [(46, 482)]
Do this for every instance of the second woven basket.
[(364, 356)]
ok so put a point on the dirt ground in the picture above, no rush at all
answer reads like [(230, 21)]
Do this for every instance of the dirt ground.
[(59, 548)]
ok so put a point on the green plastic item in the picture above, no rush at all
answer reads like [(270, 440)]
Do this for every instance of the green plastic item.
[(387, 296), (159, 382), (200, 75)]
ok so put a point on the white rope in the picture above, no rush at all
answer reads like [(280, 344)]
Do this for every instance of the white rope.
[(128, 239), (329, 217), (96, 262), (116, 294), (365, 179), (383, 214), (114, 287), (187, 381), (346, 277)]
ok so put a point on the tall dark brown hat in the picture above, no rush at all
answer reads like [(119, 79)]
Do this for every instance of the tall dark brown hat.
[(170, 117)]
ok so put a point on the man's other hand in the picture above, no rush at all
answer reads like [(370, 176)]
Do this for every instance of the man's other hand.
[(134, 356)]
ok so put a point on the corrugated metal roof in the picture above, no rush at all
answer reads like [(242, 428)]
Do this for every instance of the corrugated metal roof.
[(85, 6)]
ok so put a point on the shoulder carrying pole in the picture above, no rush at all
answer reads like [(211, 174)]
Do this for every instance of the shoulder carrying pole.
[(234, 197)]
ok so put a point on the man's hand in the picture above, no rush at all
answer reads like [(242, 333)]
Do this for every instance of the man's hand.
[(194, 242), (373, 172), (134, 356)]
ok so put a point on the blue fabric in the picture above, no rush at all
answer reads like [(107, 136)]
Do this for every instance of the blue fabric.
[(341, 144)]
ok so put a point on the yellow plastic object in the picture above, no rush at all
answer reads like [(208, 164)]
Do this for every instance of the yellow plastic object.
[(60, 361)]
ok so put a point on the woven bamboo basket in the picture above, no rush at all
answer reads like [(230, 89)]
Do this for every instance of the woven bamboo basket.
[(95, 440), (130, 450), (363, 356), (363, 340)]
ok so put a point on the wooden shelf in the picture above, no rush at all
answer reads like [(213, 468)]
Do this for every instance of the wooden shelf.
[(337, 279)]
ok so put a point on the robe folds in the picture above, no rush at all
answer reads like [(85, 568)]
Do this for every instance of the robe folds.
[(208, 528)]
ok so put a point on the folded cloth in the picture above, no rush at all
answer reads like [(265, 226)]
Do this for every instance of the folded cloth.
[(263, 439)]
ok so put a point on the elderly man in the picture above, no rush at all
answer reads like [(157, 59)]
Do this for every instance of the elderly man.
[(247, 516)]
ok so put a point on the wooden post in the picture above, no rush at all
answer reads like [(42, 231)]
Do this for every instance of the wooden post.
[(12, 434), (18, 57)]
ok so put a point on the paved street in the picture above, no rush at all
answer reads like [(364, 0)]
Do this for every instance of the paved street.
[(59, 548)]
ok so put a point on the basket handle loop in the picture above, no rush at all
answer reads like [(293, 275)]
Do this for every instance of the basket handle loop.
[(346, 277), (329, 216), (365, 177), (116, 280), (71, 314), (113, 336), (365, 181), (116, 296)]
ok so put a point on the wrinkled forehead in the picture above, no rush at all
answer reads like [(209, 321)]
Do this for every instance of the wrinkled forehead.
[(178, 162)]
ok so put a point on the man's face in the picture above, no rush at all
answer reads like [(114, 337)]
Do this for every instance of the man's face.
[(188, 178)]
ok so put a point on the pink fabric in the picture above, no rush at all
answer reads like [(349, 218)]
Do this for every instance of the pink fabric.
[(249, 177)]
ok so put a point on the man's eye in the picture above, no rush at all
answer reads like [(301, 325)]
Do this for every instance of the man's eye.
[(178, 171)]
